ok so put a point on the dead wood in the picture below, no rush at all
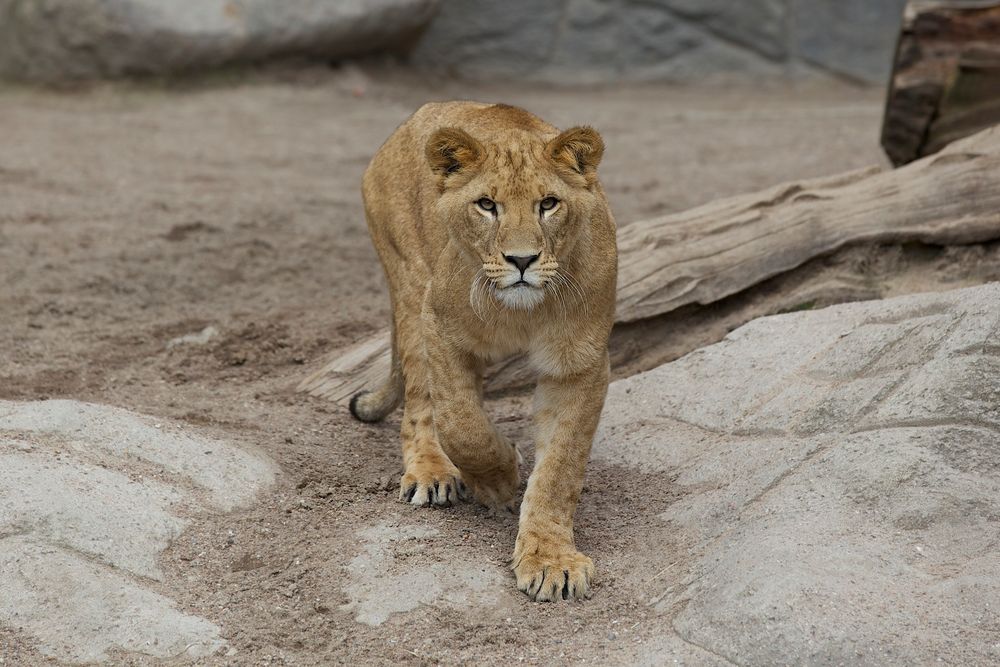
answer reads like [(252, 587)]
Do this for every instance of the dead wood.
[(946, 76), (708, 254)]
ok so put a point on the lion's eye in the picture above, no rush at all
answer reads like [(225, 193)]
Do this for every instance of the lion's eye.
[(487, 204), (548, 203)]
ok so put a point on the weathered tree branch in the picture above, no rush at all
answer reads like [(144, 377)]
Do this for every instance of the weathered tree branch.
[(946, 79), (717, 250)]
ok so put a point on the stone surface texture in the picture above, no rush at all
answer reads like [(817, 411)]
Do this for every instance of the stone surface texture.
[(838, 481), (89, 497), (391, 561), (579, 41), (828, 485), (603, 40), (68, 39), (853, 38)]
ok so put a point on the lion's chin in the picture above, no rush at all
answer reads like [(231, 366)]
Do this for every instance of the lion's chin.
[(520, 297)]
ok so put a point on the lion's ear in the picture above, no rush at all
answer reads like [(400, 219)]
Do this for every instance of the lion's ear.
[(451, 150), (578, 148)]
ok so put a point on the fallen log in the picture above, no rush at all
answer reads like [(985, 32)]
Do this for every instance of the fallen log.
[(705, 255), (946, 77)]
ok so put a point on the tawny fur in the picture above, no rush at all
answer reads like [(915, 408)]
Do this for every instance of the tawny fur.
[(455, 308)]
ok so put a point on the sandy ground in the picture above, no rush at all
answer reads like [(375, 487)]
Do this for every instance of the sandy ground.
[(133, 215)]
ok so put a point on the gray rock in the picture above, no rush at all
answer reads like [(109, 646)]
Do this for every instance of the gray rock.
[(577, 41), (838, 476), (566, 40), (651, 35), (86, 508), (759, 25), (679, 50), (66, 39), (590, 38), (229, 474), (79, 611), (583, 41), (90, 496), (389, 562), (486, 38), (855, 38)]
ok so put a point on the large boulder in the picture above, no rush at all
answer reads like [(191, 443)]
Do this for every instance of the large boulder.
[(685, 40), (68, 39), (852, 38), (592, 41), (837, 483)]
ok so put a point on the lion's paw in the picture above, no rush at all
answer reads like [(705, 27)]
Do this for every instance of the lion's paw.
[(432, 484), (554, 574), (496, 488)]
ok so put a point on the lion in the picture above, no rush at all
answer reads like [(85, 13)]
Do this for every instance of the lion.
[(496, 238)]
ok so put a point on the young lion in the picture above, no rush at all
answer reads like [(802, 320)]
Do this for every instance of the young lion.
[(496, 238)]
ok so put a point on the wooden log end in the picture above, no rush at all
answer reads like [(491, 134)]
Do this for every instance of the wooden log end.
[(347, 371)]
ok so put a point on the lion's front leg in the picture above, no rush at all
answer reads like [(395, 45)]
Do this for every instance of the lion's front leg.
[(546, 562), (486, 460)]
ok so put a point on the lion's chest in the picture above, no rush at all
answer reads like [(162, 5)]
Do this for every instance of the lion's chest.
[(503, 340), (550, 350)]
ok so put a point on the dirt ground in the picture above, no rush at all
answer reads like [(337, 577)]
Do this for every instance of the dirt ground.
[(131, 215)]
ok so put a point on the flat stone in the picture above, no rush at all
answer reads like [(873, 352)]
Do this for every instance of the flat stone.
[(231, 475), (388, 577), (88, 509), (79, 611), (838, 479), (90, 496)]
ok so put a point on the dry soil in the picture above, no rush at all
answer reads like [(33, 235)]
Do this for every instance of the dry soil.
[(131, 215)]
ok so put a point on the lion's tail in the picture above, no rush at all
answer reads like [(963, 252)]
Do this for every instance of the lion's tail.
[(377, 404)]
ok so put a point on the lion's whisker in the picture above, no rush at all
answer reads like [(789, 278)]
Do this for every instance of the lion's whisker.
[(475, 295), (574, 284), (556, 281)]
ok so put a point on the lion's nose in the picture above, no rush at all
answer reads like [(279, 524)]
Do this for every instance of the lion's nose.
[(522, 262)]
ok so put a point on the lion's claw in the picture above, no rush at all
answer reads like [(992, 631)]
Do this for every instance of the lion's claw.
[(562, 576), (439, 487)]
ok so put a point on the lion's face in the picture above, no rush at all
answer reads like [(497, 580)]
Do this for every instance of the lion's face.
[(517, 210)]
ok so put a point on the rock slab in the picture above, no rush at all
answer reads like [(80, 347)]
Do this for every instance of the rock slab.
[(390, 561), (90, 496), (838, 483), (84, 39), (583, 41)]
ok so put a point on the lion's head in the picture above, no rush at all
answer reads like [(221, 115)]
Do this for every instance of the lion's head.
[(517, 207)]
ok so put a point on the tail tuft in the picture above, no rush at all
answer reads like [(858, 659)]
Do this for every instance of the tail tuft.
[(374, 406), (365, 407)]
